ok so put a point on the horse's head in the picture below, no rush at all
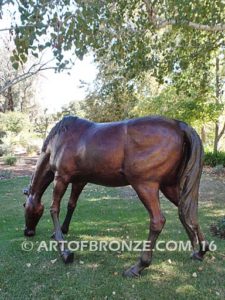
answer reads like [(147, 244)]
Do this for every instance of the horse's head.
[(33, 212)]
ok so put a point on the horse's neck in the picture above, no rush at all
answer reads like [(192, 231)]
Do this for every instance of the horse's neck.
[(42, 177)]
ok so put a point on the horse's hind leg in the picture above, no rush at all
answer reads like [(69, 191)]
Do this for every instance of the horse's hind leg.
[(172, 193), (75, 193), (60, 187), (203, 244), (149, 195)]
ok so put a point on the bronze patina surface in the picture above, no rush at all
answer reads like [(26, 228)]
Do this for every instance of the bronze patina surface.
[(150, 154)]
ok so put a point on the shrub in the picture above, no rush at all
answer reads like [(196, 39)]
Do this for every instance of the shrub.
[(10, 160), (214, 159), (33, 149), (2, 135), (218, 229), (14, 122)]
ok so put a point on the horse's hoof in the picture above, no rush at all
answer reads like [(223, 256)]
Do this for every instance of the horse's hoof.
[(131, 273), (64, 230), (197, 256), (28, 232), (67, 256)]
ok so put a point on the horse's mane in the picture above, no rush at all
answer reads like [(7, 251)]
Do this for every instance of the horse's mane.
[(60, 126)]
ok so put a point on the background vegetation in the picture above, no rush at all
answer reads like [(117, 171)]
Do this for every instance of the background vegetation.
[(153, 57)]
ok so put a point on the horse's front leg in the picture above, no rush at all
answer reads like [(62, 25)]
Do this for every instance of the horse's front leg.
[(60, 187), (149, 195), (75, 193)]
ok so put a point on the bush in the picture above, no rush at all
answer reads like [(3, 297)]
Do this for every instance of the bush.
[(2, 135), (214, 159), (33, 149), (10, 160), (219, 228), (14, 122)]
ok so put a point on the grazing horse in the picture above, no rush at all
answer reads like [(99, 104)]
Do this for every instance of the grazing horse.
[(150, 154)]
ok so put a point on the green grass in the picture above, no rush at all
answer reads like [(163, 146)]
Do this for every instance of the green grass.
[(102, 214)]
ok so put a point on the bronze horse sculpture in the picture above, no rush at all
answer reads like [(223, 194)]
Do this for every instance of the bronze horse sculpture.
[(150, 154)]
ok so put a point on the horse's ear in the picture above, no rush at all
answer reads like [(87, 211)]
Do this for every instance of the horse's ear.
[(26, 191)]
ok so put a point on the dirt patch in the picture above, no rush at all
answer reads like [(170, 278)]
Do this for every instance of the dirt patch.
[(24, 166), (212, 186)]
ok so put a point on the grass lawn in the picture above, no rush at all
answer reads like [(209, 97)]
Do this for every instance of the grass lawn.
[(103, 214)]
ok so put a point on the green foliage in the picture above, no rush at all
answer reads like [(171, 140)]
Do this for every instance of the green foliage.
[(124, 28), (113, 101), (14, 122), (181, 56), (214, 159), (30, 142), (10, 160), (72, 108), (2, 135), (18, 133), (191, 108), (128, 43), (32, 149), (42, 123)]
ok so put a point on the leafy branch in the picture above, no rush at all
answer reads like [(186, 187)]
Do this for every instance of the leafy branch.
[(162, 23), (33, 70)]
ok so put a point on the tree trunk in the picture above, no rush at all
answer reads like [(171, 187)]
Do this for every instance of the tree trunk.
[(216, 136), (203, 134), (10, 102)]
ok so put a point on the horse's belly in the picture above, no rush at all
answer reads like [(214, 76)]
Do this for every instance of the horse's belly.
[(105, 179), (109, 181)]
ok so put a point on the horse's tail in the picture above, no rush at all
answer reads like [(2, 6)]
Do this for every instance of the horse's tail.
[(190, 180)]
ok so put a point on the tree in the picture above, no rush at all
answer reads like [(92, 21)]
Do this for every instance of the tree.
[(42, 123), (72, 108), (14, 129), (112, 98), (16, 91), (175, 40), (219, 82), (18, 81), (101, 25)]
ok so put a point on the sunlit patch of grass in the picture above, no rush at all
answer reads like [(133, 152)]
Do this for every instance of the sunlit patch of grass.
[(186, 289), (216, 213)]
